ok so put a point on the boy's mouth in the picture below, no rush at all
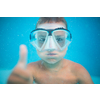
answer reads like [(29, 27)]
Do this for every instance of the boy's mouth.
[(51, 54)]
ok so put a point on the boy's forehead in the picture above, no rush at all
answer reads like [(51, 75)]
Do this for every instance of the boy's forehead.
[(52, 25)]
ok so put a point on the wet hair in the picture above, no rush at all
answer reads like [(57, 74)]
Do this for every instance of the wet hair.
[(50, 20)]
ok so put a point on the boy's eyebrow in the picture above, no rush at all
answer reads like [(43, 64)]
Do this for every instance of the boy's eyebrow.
[(59, 36)]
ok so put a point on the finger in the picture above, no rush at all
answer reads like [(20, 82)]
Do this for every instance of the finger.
[(22, 56)]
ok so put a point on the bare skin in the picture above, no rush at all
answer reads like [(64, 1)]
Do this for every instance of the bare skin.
[(51, 69), (70, 73)]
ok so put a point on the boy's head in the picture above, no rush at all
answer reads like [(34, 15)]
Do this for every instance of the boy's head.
[(49, 25), (49, 20)]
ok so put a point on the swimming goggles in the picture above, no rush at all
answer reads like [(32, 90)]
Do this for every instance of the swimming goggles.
[(50, 39)]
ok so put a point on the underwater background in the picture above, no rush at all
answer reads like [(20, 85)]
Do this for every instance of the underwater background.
[(84, 49)]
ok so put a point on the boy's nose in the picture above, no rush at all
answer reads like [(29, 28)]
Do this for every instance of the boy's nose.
[(50, 45)]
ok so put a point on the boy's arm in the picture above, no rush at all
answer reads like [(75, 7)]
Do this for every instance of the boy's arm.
[(20, 74), (83, 76)]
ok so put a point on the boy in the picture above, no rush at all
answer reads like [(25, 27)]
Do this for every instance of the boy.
[(51, 39)]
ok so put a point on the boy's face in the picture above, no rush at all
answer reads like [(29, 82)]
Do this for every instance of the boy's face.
[(53, 56)]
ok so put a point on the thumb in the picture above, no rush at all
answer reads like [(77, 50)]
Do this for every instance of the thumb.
[(23, 57)]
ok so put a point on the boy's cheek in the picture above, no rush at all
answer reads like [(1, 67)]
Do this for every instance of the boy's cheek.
[(41, 54)]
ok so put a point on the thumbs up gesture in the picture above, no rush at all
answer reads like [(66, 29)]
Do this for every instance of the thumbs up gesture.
[(20, 74)]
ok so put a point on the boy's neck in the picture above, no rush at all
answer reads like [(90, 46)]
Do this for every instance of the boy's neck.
[(52, 67)]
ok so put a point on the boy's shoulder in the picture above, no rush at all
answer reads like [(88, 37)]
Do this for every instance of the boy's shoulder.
[(33, 64), (73, 65)]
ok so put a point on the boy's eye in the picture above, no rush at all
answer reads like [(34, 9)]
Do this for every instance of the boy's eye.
[(41, 39), (60, 39)]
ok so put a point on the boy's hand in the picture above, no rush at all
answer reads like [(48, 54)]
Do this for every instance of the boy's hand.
[(20, 74)]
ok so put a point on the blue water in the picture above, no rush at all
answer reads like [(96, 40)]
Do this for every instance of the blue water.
[(84, 49)]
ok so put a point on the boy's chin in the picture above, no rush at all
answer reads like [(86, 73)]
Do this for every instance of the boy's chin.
[(51, 61)]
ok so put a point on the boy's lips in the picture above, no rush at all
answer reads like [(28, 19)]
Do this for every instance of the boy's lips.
[(51, 54)]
